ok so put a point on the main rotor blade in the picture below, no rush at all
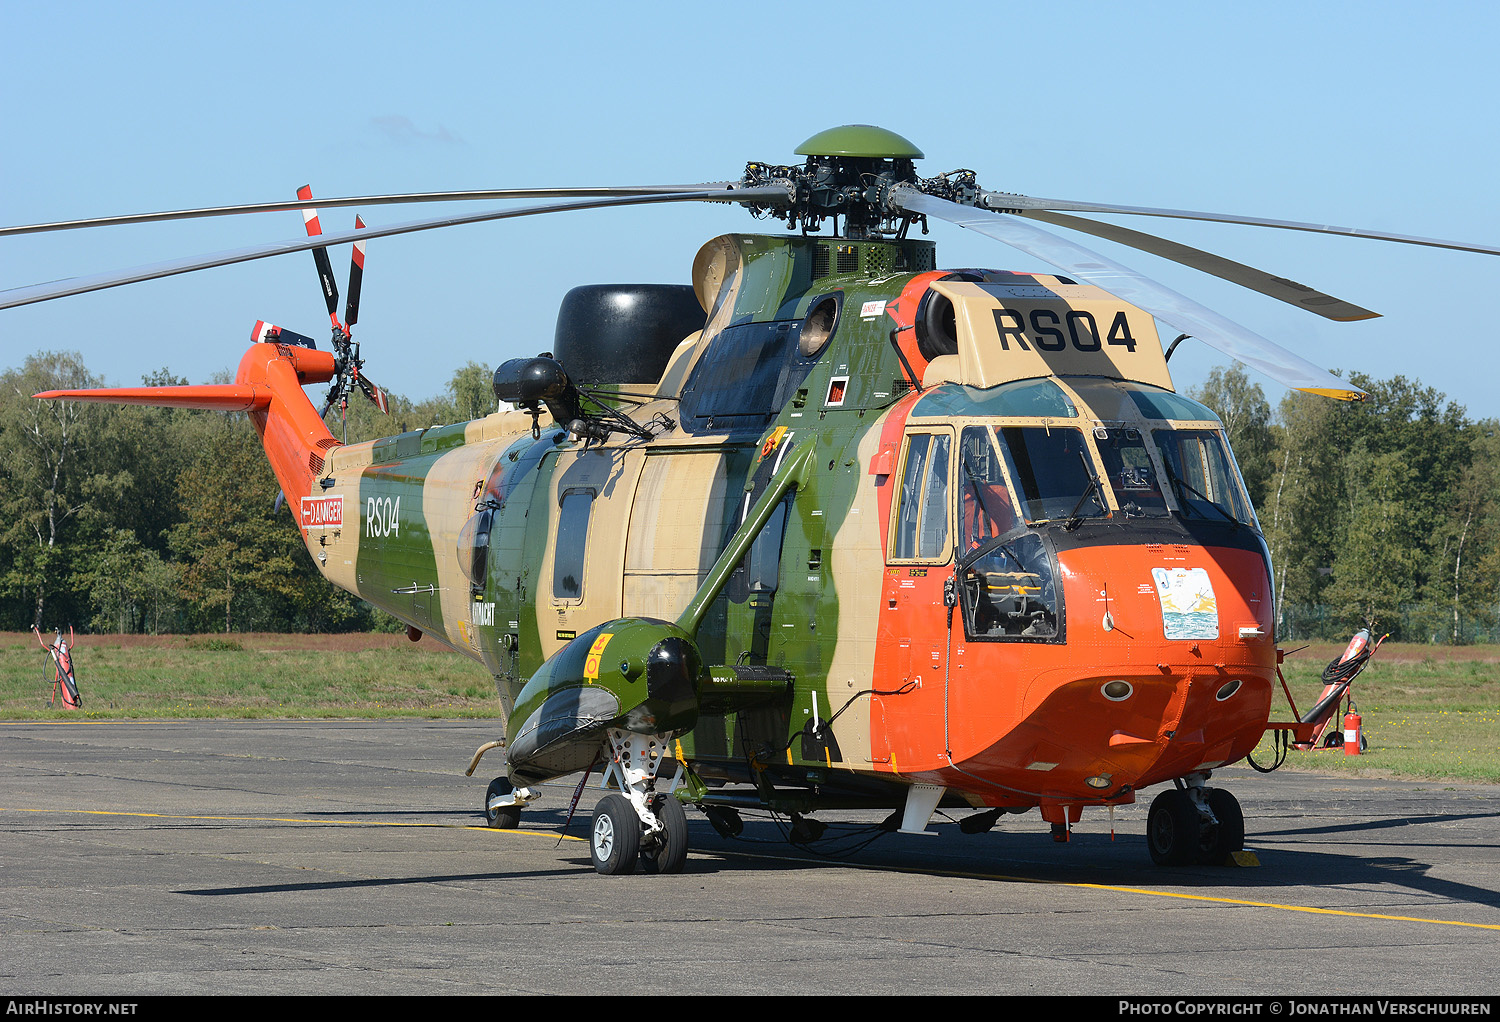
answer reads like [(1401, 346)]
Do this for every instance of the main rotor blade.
[(1253, 350), (80, 285), (373, 200), (1280, 288), (1022, 203)]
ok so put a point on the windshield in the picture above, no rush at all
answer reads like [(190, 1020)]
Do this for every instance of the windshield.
[(1128, 468), (1203, 476), (1051, 471)]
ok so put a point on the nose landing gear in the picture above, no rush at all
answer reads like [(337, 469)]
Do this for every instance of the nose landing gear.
[(1194, 824), (639, 827)]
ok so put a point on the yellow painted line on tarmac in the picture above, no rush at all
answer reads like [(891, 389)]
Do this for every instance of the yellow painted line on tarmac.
[(284, 819), (86, 720), (1125, 890), (1146, 891), (1282, 907)]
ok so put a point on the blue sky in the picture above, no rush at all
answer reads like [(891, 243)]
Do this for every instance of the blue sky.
[(1376, 115)]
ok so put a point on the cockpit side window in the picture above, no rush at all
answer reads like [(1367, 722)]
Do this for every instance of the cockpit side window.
[(986, 506), (572, 545), (1009, 590), (921, 527), (1202, 475)]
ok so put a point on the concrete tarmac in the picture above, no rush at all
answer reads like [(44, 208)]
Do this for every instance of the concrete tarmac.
[(350, 857)]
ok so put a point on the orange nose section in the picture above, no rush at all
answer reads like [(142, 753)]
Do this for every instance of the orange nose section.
[(1165, 667), (1128, 729)]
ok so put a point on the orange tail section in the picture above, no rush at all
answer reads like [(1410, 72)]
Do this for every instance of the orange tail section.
[(268, 385)]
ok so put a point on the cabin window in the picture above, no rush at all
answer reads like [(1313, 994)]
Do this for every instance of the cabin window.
[(744, 377), (759, 571), (572, 544), (474, 548), (1203, 476), (921, 531)]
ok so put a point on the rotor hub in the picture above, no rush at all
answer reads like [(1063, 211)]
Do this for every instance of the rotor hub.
[(851, 172)]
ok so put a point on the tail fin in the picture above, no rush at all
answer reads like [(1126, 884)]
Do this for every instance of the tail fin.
[(268, 385)]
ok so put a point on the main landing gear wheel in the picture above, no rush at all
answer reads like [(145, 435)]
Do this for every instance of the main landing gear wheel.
[(615, 836), (1172, 829), (1226, 837), (501, 817), (667, 851), (1178, 834)]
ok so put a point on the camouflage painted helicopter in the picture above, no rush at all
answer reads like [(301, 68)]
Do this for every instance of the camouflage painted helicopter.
[(832, 526)]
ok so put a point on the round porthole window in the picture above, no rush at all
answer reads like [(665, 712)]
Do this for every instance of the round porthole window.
[(1228, 689), (1117, 691), (822, 320)]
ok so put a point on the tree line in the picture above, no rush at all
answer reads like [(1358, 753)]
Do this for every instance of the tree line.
[(123, 518), (1384, 513)]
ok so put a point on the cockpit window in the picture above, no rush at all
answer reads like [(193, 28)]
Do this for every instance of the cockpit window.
[(1202, 476), (1009, 591), (1155, 403), (1130, 473), (986, 507), (1052, 472)]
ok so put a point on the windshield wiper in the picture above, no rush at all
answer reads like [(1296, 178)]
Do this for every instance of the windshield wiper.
[(1074, 517), (1178, 484)]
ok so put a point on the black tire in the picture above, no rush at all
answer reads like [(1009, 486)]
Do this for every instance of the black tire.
[(1228, 836), (668, 853), (615, 836), (1172, 829), (503, 817)]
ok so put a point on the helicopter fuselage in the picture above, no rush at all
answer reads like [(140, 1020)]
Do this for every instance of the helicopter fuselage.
[(1016, 565)]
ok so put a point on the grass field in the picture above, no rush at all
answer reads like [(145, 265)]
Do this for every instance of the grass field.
[(1429, 711), (250, 675)]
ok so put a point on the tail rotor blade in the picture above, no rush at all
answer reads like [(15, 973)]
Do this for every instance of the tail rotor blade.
[(320, 257), (374, 393), (356, 277)]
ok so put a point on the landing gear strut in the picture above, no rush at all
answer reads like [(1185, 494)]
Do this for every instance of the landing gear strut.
[(503, 802), (638, 827), (1194, 824)]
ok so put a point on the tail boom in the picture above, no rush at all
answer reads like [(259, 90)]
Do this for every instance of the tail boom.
[(268, 386)]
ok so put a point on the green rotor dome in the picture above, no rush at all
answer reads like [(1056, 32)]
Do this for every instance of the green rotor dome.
[(859, 140)]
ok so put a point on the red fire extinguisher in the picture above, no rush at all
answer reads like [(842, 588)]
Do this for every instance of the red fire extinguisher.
[(1351, 732)]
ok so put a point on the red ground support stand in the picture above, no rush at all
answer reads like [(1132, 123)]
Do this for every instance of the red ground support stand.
[(1307, 732), (64, 685)]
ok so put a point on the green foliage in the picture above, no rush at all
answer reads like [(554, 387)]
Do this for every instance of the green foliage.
[(473, 392), (1246, 415), (135, 519), (1372, 507)]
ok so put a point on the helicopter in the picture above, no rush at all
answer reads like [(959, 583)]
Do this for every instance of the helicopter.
[(831, 527)]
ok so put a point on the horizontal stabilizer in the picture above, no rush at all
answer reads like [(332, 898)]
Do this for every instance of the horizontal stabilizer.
[(223, 397)]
